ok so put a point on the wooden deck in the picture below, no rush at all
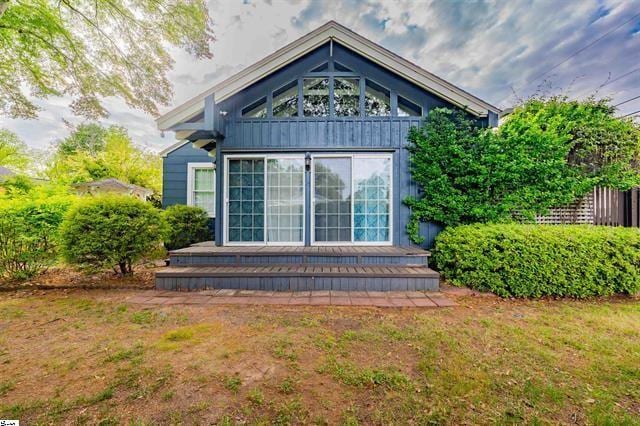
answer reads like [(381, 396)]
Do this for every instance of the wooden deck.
[(286, 268)]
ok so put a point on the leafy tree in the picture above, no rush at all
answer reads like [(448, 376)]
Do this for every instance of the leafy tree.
[(604, 148), (111, 232), (547, 154), (92, 153), (16, 186), (88, 50), (89, 138), (13, 151)]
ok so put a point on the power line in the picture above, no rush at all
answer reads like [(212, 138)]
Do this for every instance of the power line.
[(622, 76), (631, 113), (577, 52), (628, 100)]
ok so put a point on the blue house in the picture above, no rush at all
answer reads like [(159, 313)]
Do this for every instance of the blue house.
[(301, 159)]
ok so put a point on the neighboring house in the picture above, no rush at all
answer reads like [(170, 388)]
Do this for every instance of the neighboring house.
[(307, 147), (5, 173), (112, 186)]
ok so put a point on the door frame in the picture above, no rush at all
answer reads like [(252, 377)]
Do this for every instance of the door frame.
[(352, 156), (263, 157)]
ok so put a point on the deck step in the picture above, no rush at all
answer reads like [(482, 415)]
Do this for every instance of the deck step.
[(363, 255), (298, 278)]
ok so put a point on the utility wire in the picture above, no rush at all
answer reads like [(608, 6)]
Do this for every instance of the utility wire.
[(628, 100), (577, 52), (631, 113), (606, 83)]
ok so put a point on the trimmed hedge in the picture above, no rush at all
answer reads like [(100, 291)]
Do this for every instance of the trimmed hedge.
[(186, 225), (111, 232), (537, 260)]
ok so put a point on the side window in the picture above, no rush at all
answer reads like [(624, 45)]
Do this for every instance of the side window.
[(285, 100), (377, 100), (201, 184), (258, 109), (406, 108)]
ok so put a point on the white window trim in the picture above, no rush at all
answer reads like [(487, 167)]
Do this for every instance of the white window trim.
[(191, 168), (264, 241), (313, 209)]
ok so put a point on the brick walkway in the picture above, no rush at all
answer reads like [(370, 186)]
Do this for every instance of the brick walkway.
[(387, 299)]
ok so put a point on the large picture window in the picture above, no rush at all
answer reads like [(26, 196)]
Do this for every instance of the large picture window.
[(265, 199), (352, 199), (201, 184)]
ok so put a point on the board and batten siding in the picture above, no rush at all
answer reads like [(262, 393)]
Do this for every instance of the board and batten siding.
[(174, 176), (384, 134)]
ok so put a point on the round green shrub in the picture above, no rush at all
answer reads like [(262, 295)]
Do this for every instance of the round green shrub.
[(541, 260), (110, 232), (29, 236), (186, 225)]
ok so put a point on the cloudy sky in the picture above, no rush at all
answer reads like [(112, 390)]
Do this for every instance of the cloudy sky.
[(497, 50)]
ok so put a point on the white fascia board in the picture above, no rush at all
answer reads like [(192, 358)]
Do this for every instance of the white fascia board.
[(309, 42), (172, 148)]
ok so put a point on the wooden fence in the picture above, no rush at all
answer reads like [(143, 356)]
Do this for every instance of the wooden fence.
[(603, 206)]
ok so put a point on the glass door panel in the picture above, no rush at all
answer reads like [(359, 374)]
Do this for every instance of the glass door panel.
[(246, 200), (285, 200), (332, 199), (371, 199)]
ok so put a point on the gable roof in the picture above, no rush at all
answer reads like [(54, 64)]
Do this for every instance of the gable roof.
[(5, 172), (113, 183), (296, 49), (168, 150)]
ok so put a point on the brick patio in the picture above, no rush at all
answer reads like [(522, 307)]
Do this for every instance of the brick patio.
[(383, 299)]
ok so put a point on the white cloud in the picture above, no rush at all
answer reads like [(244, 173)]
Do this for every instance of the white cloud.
[(483, 47)]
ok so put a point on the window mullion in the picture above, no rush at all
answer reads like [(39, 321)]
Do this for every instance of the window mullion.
[(361, 99), (352, 200), (300, 98), (265, 199), (332, 111)]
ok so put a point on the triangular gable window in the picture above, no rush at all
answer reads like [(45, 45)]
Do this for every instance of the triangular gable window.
[(322, 68), (258, 109), (341, 68), (406, 108)]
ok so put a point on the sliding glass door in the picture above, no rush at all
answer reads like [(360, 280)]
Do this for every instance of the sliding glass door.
[(285, 200), (265, 200), (352, 199), (332, 199)]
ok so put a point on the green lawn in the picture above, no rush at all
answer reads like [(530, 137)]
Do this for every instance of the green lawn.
[(89, 357)]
